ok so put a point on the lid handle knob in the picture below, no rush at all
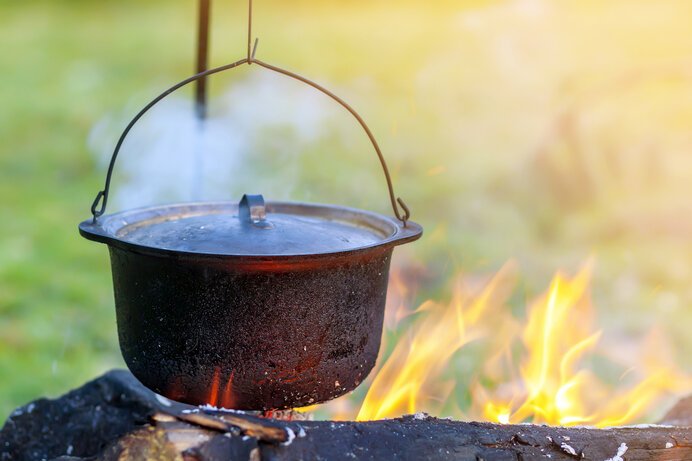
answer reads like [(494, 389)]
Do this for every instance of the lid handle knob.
[(251, 209)]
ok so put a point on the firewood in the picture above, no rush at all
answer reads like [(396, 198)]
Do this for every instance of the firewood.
[(680, 414), (181, 435), (144, 443), (116, 418), (264, 430), (203, 420)]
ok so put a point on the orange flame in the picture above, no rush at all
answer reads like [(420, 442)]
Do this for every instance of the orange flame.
[(408, 380), (214, 391), (552, 383), (226, 399)]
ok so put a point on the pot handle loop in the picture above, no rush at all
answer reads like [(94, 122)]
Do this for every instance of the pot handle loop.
[(99, 206)]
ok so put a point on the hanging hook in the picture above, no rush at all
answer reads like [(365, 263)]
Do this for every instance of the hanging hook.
[(250, 54)]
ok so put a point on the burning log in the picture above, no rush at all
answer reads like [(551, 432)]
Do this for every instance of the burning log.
[(115, 418)]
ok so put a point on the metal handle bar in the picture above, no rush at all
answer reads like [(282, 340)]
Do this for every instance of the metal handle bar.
[(102, 196)]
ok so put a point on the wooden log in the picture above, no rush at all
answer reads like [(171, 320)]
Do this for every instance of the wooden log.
[(423, 437), (680, 414), (264, 430), (74, 427)]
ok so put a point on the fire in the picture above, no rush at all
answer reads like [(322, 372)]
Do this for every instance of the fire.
[(556, 337), (408, 380), (225, 399), (554, 382)]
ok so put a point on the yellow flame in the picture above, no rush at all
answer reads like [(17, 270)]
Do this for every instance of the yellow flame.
[(409, 379), (554, 344), (551, 384)]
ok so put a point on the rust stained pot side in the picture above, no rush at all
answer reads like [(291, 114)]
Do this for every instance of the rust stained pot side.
[(250, 331)]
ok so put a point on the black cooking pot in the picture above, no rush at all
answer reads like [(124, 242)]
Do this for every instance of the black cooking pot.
[(249, 305)]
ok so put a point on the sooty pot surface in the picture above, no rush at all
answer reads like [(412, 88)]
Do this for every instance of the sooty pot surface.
[(250, 306), (247, 339)]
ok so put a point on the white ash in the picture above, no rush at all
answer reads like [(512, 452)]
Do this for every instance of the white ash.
[(537, 425), (568, 449), (421, 416), (163, 400), (622, 449), (642, 426), (669, 445), (213, 408), (301, 431), (291, 436)]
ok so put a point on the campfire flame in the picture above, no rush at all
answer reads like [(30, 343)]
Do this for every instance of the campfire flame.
[(410, 374), (539, 371), (223, 399)]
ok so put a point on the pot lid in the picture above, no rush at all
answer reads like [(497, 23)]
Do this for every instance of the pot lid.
[(250, 228)]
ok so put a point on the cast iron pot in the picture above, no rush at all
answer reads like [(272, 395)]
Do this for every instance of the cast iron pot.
[(249, 305)]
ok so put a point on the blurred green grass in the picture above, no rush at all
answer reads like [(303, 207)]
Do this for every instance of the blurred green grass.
[(535, 130)]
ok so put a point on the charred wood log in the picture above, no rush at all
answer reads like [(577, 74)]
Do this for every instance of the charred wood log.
[(680, 414), (115, 418)]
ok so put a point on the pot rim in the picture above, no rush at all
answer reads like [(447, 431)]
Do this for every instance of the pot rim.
[(105, 229)]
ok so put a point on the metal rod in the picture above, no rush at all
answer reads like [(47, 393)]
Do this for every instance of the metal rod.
[(249, 31), (202, 55)]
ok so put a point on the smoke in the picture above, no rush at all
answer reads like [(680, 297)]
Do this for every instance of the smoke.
[(251, 142)]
